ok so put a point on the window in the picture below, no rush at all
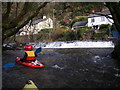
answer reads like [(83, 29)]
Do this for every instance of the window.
[(92, 20), (102, 18)]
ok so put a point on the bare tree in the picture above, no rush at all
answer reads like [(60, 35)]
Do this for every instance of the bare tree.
[(17, 16), (114, 8)]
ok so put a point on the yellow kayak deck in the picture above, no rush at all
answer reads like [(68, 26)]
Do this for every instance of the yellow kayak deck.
[(30, 85)]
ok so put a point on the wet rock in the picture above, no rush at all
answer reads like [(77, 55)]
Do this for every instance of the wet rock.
[(95, 61), (97, 57), (117, 75)]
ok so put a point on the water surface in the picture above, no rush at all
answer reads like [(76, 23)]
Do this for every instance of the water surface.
[(64, 68)]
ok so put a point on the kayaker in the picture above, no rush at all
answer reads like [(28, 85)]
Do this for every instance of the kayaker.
[(29, 55)]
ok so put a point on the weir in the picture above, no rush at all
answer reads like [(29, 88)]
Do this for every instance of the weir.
[(74, 44)]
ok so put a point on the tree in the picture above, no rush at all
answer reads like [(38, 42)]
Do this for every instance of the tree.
[(69, 10), (114, 8), (17, 15)]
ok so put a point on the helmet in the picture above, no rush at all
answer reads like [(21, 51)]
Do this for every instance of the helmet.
[(28, 47)]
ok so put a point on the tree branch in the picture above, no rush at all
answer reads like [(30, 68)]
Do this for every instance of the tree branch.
[(32, 16), (6, 15), (17, 8), (115, 11), (15, 21), (13, 31)]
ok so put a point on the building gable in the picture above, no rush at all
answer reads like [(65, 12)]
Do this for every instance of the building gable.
[(35, 26), (98, 18)]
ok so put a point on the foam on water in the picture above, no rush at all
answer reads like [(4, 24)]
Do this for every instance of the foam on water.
[(75, 44), (57, 67)]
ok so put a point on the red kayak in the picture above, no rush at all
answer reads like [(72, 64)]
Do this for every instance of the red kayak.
[(36, 64)]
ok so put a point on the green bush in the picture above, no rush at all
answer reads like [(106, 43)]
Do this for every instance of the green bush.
[(105, 28), (101, 35), (72, 35), (65, 34), (45, 34), (64, 27), (46, 30)]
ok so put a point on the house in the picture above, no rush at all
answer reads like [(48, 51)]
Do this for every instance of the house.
[(96, 19), (35, 26), (78, 25)]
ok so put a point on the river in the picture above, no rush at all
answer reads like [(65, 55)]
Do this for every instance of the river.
[(64, 68)]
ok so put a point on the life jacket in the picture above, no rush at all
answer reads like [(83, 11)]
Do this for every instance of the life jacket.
[(30, 55)]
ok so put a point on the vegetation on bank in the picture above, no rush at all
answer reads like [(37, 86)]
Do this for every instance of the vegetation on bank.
[(64, 33)]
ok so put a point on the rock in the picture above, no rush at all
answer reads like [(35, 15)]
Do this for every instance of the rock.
[(117, 75), (97, 57)]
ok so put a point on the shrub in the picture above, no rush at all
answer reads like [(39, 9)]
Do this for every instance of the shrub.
[(58, 33), (104, 26), (45, 34), (72, 35), (46, 30), (64, 27)]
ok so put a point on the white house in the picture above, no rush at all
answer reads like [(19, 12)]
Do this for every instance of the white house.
[(35, 26), (97, 19)]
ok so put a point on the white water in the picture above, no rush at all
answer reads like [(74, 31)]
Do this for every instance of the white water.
[(74, 44)]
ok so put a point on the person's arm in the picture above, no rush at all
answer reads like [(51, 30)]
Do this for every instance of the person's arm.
[(35, 55)]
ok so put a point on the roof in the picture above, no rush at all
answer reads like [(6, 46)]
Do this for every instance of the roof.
[(36, 21), (81, 23), (107, 12), (96, 14), (93, 15)]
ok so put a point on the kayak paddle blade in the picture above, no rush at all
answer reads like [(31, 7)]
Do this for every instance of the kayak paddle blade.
[(38, 50), (9, 65)]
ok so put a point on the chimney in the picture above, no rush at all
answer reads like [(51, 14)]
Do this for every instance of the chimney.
[(93, 11), (102, 9), (44, 17)]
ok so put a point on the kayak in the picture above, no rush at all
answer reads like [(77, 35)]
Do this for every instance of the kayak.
[(32, 64), (30, 85), (35, 64)]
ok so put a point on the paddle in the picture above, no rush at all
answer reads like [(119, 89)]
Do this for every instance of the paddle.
[(38, 50), (12, 64)]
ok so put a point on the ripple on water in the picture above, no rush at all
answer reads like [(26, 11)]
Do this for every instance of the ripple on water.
[(57, 67)]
